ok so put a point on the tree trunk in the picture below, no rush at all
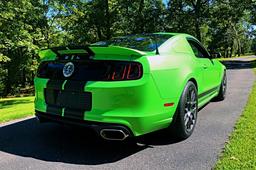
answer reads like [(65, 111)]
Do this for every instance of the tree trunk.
[(23, 78), (99, 32), (231, 51), (140, 24), (107, 20), (7, 88), (197, 19), (198, 32), (239, 47)]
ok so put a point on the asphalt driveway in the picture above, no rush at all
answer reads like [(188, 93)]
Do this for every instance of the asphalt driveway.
[(27, 144)]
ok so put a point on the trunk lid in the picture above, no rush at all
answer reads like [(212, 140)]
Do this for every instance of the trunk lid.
[(116, 52)]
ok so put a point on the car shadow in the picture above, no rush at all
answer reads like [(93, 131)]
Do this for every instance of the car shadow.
[(74, 145)]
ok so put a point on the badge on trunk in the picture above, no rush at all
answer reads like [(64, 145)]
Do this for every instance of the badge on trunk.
[(68, 69)]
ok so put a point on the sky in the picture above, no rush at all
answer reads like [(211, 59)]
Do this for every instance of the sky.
[(165, 2)]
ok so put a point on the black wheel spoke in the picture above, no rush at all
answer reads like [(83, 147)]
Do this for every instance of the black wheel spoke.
[(190, 109)]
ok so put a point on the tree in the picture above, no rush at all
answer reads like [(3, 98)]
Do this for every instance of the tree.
[(189, 16), (27, 26), (228, 26), (20, 36)]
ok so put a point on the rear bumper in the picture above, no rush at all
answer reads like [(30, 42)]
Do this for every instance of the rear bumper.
[(96, 126), (134, 104)]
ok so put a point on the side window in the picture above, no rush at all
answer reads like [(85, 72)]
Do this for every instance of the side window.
[(198, 50)]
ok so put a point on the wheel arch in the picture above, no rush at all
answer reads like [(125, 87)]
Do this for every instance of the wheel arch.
[(194, 81), (189, 78)]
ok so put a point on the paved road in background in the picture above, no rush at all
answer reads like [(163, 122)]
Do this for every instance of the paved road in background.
[(247, 58), (29, 145), (240, 62)]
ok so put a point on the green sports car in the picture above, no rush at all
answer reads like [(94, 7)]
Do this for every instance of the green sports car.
[(129, 86)]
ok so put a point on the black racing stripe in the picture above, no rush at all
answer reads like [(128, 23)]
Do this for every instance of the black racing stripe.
[(55, 84), (74, 113), (74, 100), (75, 85), (78, 101), (57, 99), (54, 110), (208, 92), (50, 94)]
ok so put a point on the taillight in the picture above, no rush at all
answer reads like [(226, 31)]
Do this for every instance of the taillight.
[(50, 69), (42, 69), (134, 71), (125, 71), (98, 70)]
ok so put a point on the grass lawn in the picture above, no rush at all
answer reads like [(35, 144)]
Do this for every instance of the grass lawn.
[(240, 151), (14, 108)]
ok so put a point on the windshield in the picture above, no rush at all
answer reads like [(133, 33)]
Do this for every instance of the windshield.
[(142, 42)]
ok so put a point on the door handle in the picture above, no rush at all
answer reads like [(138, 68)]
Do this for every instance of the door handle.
[(205, 66)]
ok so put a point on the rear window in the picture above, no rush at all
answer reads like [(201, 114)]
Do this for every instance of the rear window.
[(142, 42)]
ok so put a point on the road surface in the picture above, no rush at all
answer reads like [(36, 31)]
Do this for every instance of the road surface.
[(27, 144)]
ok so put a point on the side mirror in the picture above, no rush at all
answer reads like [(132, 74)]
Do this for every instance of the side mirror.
[(215, 55)]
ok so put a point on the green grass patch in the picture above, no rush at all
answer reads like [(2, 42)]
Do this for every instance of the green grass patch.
[(15, 108), (240, 151)]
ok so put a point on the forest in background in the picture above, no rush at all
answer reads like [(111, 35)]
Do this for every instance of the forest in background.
[(26, 26)]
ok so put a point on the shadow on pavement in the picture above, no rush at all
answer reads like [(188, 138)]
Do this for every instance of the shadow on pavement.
[(237, 64), (59, 143)]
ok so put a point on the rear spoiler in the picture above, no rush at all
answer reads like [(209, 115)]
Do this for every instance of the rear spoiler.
[(86, 48), (90, 51), (57, 52), (116, 50)]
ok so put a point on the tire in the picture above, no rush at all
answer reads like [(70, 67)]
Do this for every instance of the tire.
[(223, 88), (186, 113), (41, 119)]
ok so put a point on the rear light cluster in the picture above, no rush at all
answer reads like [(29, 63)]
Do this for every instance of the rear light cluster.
[(125, 71), (93, 70), (50, 70)]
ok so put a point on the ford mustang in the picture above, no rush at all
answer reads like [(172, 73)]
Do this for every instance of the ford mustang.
[(129, 86)]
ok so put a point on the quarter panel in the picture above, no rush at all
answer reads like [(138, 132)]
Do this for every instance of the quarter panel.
[(220, 68), (171, 73), (40, 85)]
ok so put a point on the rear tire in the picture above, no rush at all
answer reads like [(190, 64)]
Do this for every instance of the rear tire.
[(186, 113), (41, 119), (223, 87)]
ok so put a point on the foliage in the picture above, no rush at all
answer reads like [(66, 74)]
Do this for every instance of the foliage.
[(26, 26)]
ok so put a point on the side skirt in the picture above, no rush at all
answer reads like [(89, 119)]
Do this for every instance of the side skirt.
[(206, 96)]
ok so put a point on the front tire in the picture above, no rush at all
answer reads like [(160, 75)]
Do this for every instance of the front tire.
[(186, 112), (223, 87)]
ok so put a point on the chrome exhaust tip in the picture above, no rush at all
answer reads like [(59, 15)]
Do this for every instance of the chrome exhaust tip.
[(113, 134)]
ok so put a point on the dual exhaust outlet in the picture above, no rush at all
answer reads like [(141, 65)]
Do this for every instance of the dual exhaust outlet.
[(114, 134)]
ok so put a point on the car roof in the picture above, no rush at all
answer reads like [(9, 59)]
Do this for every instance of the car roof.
[(167, 33), (177, 41), (175, 34)]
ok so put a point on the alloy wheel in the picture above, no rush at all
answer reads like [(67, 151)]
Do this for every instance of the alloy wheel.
[(190, 110)]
